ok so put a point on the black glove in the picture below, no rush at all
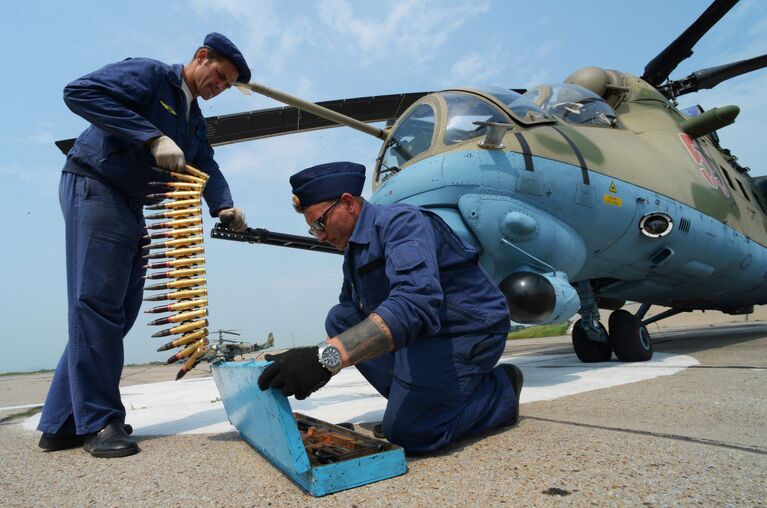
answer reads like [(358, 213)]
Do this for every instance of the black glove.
[(296, 371)]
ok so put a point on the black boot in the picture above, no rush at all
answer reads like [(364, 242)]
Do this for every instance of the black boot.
[(517, 379), (110, 442), (55, 442)]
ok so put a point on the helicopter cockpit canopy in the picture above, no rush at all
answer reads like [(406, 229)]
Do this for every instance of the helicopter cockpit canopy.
[(524, 110), (411, 138), (415, 133), (573, 104), (463, 111)]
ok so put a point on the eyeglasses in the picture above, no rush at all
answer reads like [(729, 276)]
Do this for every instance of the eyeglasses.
[(318, 224)]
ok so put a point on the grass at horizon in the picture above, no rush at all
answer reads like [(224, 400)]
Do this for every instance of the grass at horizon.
[(535, 332)]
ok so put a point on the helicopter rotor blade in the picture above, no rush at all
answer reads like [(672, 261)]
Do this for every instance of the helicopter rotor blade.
[(264, 123), (660, 67), (712, 76)]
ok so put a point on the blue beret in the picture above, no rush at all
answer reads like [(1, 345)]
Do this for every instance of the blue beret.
[(327, 181), (226, 48)]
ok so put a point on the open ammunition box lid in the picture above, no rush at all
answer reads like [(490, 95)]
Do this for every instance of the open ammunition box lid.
[(264, 419)]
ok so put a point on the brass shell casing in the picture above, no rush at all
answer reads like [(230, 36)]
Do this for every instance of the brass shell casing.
[(179, 176), (191, 362), (176, 242), (196, 172), (176, 253), (184, 328), (177, 284), (177, 185), (175, 233), (180, 317), (174, 307), (177, 295), (175, 194), (176, 223), (184, 340), (176, 263), (172, 205)]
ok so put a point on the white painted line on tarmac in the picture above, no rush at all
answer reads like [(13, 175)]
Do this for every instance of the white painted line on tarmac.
[(193, 406), (25, 406)]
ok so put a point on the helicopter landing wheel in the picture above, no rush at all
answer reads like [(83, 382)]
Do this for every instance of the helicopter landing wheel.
[(587, 350), (629, 337)]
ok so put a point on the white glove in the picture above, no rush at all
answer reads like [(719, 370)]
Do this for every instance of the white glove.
[(167, 154), (233, 218)]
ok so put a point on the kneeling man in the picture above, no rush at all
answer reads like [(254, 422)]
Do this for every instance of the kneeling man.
[(418, 316)]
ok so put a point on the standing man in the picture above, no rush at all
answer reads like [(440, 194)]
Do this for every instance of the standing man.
[(419, 317), (143, 113)]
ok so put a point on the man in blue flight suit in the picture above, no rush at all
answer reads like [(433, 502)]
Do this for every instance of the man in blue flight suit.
[(143, 113), (419, 317)]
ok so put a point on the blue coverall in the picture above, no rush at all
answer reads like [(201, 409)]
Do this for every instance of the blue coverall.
[(102, 191), (448, 319)]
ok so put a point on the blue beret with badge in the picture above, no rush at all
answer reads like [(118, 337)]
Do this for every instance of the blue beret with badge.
[(327, 181), (226, 48)]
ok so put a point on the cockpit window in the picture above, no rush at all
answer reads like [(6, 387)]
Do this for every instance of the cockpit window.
[(412, 137), (573, 104), (522, 107), (462, 111)]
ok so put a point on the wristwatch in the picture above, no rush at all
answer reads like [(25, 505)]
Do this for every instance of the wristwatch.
[(329, 357)]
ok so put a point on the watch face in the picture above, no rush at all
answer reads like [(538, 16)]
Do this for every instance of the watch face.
[(331, 357)]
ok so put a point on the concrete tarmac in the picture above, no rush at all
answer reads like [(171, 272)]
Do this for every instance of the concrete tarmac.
[(693, 438)]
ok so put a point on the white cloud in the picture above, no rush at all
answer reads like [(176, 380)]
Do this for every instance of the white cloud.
[(475, 68), (418, 29), (271, 39)]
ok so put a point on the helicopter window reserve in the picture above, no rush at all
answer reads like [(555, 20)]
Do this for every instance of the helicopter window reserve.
[(574, 104), (412, 138), (463, 113)]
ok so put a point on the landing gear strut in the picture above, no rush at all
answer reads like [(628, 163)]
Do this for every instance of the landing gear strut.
[(590, 339)]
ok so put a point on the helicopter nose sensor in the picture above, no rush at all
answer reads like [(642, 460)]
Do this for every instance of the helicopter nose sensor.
[(535, 298)]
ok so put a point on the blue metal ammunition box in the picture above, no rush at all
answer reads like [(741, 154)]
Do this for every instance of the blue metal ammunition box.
[(320, 457)]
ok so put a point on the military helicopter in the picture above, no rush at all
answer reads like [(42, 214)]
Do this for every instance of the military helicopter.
[(227, 349), (579, 196)]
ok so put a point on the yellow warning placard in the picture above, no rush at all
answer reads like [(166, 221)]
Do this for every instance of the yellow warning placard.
[(613, 200), (612, 188)]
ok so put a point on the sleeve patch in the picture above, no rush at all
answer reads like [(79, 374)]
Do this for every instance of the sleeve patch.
[(406, 256)]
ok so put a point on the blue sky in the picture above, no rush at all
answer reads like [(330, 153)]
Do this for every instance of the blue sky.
[(319, 50)]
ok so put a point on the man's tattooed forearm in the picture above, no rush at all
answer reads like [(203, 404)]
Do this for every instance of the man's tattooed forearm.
[(366, 340)]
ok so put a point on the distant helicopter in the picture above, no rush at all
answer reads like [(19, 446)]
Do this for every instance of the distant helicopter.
[(227, 349), (579, 196)]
